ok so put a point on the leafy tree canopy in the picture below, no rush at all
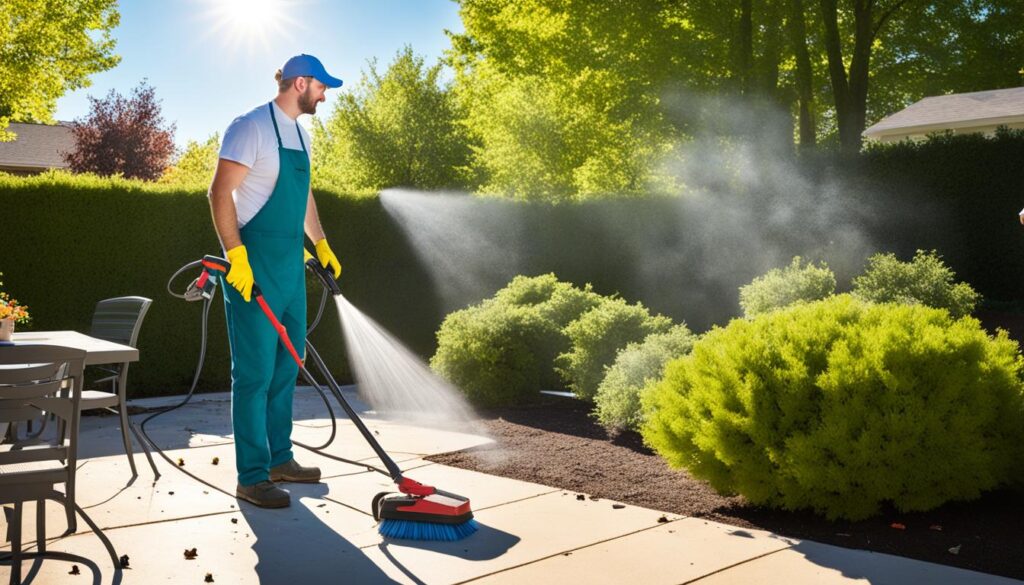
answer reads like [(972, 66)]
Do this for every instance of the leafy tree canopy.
[(398, 128), (48, 48)]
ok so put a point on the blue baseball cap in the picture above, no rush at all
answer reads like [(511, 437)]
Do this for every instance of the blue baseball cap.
[(308, 66)]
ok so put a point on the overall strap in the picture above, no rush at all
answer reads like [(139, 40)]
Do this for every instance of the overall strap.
[(297, 129), (273, 118)]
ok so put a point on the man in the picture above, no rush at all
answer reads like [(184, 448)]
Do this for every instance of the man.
[(262, 205)]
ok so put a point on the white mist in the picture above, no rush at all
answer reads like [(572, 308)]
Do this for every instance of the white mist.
[(397, 383)]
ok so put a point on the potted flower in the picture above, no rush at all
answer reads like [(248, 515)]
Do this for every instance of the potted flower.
[(10, 313)]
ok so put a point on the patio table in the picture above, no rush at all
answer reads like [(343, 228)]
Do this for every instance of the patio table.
[(97, 351)]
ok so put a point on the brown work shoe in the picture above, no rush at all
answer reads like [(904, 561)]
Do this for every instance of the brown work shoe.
[(292, 471), (264, 494)]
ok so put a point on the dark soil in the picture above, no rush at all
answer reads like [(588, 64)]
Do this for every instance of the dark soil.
[(556, 443)]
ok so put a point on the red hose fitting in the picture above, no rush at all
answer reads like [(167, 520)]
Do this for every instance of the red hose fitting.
[(414, 488)]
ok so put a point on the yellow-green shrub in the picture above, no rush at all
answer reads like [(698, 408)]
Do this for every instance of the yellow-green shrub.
[(840, 405), (501, 351)]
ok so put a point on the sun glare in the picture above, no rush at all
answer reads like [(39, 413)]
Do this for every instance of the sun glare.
[(249, 25)]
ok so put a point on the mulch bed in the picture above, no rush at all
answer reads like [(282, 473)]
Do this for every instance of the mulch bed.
[(557, 443)]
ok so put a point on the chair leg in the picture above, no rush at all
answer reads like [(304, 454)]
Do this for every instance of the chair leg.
[(41, 525), (69, 486), (145, 449), (122, 410), (15, 532), (69, 509)]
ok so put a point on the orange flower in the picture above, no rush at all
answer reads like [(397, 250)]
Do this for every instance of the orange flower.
[(10, 309)]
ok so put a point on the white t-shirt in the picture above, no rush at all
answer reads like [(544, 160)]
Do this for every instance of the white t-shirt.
[(250, 140)]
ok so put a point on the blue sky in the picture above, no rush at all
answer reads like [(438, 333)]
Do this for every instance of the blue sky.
[(211, 60)]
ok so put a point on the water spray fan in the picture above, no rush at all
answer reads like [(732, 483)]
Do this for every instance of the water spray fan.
[(417, 511)]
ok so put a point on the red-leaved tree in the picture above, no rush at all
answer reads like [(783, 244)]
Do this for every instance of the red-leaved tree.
[(122, 135)]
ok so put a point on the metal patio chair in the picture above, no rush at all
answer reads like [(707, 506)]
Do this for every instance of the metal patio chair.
[(118, 320), (37, 380)]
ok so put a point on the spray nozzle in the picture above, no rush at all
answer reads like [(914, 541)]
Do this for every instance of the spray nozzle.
[(313, 265), (205, 286)]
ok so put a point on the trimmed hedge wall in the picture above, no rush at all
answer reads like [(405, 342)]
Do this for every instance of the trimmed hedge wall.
[(67, 242), (967, 191), (73, 241)]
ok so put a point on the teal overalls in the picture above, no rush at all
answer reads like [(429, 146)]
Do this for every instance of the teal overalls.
[(263, 372)]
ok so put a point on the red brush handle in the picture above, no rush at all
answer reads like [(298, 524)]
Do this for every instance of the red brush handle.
[(281, 331)]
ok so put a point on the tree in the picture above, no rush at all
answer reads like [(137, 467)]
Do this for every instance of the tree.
[(565, 99), (395, 129), (562, 99), (850, 88), (195, 164), (947, 46), (908, 49), (122, 135), (797, 25), (47, 49)]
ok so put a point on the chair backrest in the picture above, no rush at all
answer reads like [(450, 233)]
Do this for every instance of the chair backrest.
[(119, 319), (31, 377)]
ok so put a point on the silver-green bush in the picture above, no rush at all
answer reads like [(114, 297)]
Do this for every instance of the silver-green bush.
[(617, 403), (925, 280), (781, 287), (597, 336)]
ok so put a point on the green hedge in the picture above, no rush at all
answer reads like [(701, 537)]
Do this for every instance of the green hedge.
[(841, 405), (70, 241), (67, 242), (958, 195)]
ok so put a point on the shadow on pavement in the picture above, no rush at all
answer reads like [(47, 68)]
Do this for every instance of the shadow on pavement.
[(294, 546), (483, 545)]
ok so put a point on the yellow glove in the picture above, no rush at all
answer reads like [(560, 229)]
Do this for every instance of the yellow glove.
[(327, 258), (240, 276), (306, 256)]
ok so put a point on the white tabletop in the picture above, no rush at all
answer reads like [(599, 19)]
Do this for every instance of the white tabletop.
[(98, 351)]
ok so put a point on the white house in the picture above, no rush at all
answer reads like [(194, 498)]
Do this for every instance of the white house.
[(37, 147), (960, 113)]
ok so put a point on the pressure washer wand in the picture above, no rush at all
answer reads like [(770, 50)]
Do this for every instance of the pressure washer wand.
[(214, 266)]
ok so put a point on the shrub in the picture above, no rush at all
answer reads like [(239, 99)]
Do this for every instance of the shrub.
[(925, 280), (781, 287), (561, 302), (840, 405), (494, 352), (502, 351), (597, 336), (617, 403)]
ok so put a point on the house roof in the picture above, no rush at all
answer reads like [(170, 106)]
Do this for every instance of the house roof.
[(38, 146), (958, 110)]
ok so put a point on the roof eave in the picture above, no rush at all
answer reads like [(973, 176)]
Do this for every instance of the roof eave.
[(938, 127)]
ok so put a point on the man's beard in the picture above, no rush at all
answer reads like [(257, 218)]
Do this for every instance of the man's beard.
[(306, 102)]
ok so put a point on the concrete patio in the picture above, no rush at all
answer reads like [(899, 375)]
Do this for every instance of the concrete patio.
[(529, 533)]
